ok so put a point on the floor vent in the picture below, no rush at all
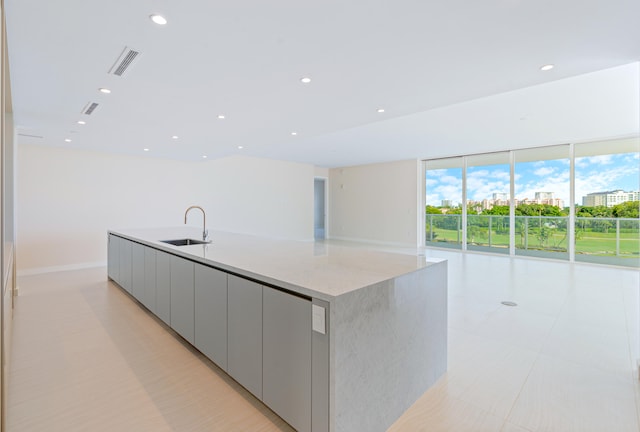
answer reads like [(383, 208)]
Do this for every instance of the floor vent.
[(89, 108), (124, 61)]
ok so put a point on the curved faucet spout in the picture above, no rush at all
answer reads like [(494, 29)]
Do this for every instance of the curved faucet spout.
[(205, 233)]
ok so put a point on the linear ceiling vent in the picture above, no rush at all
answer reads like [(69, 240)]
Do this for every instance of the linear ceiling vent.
[(89, 108), (124, 61)]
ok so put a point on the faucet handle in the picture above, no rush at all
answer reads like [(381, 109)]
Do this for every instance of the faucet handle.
[(205, 235)]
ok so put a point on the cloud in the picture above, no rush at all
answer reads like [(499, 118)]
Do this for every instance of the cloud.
[(451, 180), (544, 171), (593, 174), (600, 180), (477, 174), (583, 162)]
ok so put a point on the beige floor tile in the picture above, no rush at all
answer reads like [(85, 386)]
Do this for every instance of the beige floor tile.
[(87, 357), (516, 326), (560, 396), (589, 345), (438, 411), (510, 427)]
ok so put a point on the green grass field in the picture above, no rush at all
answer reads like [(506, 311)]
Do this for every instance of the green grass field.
[(594, 243)]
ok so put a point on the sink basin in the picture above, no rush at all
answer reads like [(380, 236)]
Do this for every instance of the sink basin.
[(185, 242)]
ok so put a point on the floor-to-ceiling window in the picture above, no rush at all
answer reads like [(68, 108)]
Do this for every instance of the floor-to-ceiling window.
[(579, 200), (607, 227), (488, 197), (443, 213), (542, 201)]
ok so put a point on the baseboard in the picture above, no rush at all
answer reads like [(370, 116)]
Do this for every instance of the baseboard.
[(52, 269)]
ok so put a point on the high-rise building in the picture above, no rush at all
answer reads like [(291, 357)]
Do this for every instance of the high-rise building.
[(609, 198), (500, 196), (544, 196)]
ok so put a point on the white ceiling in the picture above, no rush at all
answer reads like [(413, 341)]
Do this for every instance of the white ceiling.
[(454, 77)]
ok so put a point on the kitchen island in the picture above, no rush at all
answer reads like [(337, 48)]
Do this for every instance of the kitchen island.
[(331, 338)]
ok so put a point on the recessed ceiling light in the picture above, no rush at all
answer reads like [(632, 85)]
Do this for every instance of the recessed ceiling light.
[(305, 80), (240, 147), (174, 137), (146, 149), (294, 133), (380, 110), (67, 140), (104, 90), (158, 19), (204, 156), (81, 122), (221, 117), (547, 67)]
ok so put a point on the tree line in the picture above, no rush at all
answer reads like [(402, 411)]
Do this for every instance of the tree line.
[(628, 209)]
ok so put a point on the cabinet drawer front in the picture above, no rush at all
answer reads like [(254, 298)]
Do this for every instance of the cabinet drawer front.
[(211, 314), (287, 357), (244, 332)]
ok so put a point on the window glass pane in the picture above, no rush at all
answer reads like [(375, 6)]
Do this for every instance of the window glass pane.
[(607, 202), (541, 186), (444, 202), (488, 186)]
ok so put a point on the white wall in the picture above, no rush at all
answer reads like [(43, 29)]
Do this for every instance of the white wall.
[(67, 199), (260, 196), (376, 203)]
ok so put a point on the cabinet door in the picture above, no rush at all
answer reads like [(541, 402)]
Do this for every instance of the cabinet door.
[(137, 271), (125, 264), (211, 314), (113, 260), (182, 304), (163, 287), (244, 333), (149, 295), (287, 357)]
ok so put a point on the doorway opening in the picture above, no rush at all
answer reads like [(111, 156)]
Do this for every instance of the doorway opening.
[(319, 208)]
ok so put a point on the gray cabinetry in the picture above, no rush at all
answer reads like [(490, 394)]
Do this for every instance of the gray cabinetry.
[(137, 271), (211, 313), (163, 286), (113, 260), (244, 333), (182, 297), (125, 264), (287, 357), (149, 295), (261, 336)]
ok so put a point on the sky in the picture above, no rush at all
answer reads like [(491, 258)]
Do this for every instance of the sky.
[(593, 174)]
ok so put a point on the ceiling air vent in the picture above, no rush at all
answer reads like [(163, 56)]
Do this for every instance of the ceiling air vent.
[(89, 108), (124, 61)]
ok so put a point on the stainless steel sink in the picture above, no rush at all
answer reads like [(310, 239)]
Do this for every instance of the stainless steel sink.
[(185, 242)]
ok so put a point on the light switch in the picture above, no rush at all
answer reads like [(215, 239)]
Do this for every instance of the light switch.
[(318, 319)]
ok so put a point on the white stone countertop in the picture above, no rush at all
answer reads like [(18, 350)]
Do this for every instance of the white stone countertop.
[(316, 269)]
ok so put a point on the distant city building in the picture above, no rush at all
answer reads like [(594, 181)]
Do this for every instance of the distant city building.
[(543, 198), (502, 199), (544, 195), (447, 203), (500, 196), (609, 198)]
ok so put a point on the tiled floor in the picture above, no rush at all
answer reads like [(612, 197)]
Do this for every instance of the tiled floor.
[(87, 358)]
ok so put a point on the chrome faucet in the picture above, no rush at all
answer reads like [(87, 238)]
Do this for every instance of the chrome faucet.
[(205, 233)]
